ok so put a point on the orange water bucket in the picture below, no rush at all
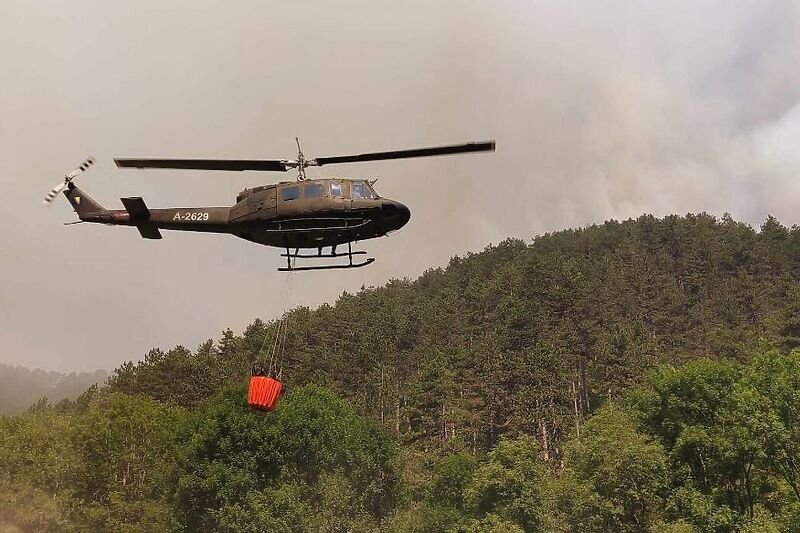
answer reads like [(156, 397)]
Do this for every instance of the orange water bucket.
[(263, 392)]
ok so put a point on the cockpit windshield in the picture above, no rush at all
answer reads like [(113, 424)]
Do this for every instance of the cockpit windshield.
[(362, 189)]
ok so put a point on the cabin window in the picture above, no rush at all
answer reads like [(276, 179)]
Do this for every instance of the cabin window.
[(360, 190), (336, 190), (290, 193), (313, 190)]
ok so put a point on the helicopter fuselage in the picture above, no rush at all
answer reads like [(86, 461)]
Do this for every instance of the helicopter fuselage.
[(308, 213), (313, 213)]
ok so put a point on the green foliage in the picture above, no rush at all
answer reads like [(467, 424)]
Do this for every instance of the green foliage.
[(451, 476), (35, 462), (424, 517), (510, 489), (677, 398), (633, 376), (244, 470), (521, 337), (731, 436), (128, 463), (123, 474), (616, 475), (509, 484), (490, 524), (107, 469), (672, 527)]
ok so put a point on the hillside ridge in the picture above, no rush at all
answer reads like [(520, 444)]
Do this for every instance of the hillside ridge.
[(21, 386), (520, 337)]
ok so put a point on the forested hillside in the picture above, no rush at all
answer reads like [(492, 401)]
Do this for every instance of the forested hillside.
[(522, 337), (20, 387), (634, 376)]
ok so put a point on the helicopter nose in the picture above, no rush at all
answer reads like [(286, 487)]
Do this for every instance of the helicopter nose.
[(403, 215), (398, 214)]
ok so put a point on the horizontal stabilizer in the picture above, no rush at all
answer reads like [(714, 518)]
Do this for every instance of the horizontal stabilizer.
[(149, 232), (137, 209)]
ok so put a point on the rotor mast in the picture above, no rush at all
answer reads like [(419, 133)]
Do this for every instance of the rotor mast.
[(301, 162)]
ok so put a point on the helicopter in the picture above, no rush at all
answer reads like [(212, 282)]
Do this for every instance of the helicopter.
[(316, 214)]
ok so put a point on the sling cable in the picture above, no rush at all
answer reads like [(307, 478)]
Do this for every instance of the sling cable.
[(266, 381)]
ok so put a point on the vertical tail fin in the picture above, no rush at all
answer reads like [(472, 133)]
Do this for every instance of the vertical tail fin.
[(82, 203)]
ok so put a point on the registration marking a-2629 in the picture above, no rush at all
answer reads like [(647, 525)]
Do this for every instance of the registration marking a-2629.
[(190, 216)]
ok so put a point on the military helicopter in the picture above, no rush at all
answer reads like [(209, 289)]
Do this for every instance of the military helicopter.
[(315, 214)]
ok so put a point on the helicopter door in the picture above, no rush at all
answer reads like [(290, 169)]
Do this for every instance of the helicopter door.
[(314, 197), (339, 196), (289, 198)]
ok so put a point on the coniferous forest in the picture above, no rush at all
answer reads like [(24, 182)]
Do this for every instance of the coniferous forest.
[(633, 376)]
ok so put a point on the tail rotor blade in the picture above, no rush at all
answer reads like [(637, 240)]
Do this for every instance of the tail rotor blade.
[(67, 179), (82, 168), (48, 200)]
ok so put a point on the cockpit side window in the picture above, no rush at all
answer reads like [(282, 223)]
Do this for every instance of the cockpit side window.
[(336, 189), (360, 190), (290, 193)]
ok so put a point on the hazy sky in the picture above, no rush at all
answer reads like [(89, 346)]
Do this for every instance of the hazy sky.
[(600, 110)]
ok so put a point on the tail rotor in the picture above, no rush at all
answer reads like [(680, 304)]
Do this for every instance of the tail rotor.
[(48, 200)]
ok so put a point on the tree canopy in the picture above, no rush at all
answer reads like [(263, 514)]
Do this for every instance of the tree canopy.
[(632, 376)]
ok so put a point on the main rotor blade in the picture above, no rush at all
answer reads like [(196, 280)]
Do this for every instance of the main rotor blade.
[(487, 146), (206, 164)]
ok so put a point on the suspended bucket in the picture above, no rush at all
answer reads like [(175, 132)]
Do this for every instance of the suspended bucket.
[(263, 392)]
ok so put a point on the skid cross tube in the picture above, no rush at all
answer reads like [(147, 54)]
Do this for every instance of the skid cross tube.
[(350, 253), (314, 256)]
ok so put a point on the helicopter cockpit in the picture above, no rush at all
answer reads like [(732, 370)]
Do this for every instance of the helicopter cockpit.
[(362, 190)]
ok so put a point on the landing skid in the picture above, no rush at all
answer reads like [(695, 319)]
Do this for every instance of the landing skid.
[(290, 267), (368, 261)]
